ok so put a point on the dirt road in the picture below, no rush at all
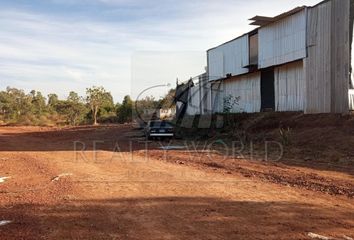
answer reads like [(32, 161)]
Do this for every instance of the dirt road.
[(55, 192)]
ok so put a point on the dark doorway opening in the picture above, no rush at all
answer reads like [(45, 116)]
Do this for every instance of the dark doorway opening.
[(267, 90)]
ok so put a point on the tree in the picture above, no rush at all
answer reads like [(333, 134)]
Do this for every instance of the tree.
[(52, 99), (73, 97), (230, 102), (148, 102), (77, 108), (14, 103), (125, 111), (169, 100), (52, 102), (107, 108), (38, 102), (96, 97), (18, 107), (73, 109)]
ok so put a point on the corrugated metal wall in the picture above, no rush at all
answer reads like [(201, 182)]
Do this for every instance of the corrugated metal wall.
[(319, 36), (247, 88), (351, 28), (351, 100), (229, 58), (216, 97), (194, 101), (205, 95), (327, 65), (283, 41), (352, 54), (317, 65), (351, 90), (289, 84), (215, 64), (340, 56)]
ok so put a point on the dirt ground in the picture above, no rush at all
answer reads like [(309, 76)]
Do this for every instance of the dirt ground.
[(122, 191)]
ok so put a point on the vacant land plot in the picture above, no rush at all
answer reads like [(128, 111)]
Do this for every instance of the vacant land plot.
[(59, 187)]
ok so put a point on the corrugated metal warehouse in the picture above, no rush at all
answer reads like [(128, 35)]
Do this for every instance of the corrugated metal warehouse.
[(300, 60)]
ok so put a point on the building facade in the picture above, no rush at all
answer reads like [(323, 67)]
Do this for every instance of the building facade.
[(300, 60)]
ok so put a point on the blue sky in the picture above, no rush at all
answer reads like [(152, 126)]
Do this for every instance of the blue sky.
[(123, 45)]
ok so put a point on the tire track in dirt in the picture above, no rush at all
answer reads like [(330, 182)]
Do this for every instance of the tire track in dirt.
[(152, 199)]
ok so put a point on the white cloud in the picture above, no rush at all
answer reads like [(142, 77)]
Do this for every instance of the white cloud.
[(62, 52)]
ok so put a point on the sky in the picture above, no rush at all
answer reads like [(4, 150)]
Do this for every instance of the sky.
[(126, 46)]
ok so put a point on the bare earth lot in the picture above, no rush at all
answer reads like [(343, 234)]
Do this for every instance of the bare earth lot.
[(57, 193)]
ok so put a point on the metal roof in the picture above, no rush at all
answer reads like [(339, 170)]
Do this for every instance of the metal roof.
[(263, 20)]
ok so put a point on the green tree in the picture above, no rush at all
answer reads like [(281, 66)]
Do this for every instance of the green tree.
[(14, 103), (38, 102), (52, 102), (148, 102), (108, 108), (73, 109), (125, 111), (52, 99), (74, 97), (76, 108), (96, 98)]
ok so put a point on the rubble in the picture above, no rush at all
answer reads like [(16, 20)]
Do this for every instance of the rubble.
[(60, 176)]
